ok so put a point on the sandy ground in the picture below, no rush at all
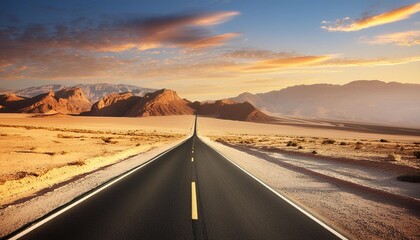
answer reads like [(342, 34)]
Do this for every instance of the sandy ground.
[(355, 192), (39, 152), (336, 143)]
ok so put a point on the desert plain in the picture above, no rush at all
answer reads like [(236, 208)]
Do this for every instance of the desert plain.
[(344, 175)]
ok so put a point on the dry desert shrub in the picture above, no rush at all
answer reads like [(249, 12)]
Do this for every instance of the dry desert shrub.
[(358, 146), (50, 153), (76, 163), (393, 157), (328, 141), (64, 136), (417, 154), (106, 139), (22, 174)]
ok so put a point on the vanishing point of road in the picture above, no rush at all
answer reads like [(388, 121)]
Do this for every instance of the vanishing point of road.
[(189, 192)]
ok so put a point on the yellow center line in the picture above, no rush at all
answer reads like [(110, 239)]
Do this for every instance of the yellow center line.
[(192, 159), (194, 202)]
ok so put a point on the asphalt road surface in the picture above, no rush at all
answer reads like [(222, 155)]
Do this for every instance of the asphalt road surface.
[(191, 192)]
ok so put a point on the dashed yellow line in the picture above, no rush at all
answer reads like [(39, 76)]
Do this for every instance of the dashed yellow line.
[(194, 202)]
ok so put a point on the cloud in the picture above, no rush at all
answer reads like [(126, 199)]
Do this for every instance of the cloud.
[(302, 62), (256, 54), (346, 62), (347, 25), (407, 38), (77, 50), (62, 64), (188, 30), (280, 63), (211, 41)]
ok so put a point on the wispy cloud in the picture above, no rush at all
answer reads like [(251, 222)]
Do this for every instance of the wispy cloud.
[(348, 62), (281, 63), (77, 50), (407, 38), (256, 54), (348, 25), (302, 62)]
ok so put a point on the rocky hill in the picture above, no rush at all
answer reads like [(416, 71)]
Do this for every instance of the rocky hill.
[(228, 109), (69, 101), (160, 103), (166, 102)]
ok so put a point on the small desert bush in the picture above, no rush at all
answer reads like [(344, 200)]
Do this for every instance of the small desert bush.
[(314, 152), (50, 153), (64, 136), (328, 141), (343, 143), (3, 134), (76, 163), (393, 157), (291, 144), (22, 174), (108, 140), (300, 147), (417, 154), (383, 140), (358, 146), (410, 177)]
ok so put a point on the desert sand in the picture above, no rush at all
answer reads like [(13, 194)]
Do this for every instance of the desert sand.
[(352, 187), (39, 152)]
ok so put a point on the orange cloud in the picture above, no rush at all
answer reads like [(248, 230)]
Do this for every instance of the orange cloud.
[(276, 64), (214, 18), (310, 62), (407, 38), (345, 62), (212, 41), (346, 25)]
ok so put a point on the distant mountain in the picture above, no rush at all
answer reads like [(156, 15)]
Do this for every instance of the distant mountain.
[(160, 103), (166, 102), (93, 92), (368, 101), (67, 100), (228, 109)]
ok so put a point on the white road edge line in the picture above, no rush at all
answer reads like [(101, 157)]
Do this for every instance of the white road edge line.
[(43, 221), (339, 235)]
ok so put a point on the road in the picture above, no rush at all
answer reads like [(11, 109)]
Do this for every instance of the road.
[(191, 192)]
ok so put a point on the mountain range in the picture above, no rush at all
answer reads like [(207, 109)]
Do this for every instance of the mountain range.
[(67, 101), (162, 102), (93, 92), (363, 101)]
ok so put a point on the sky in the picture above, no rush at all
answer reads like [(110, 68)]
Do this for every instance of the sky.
[(208, 49)]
